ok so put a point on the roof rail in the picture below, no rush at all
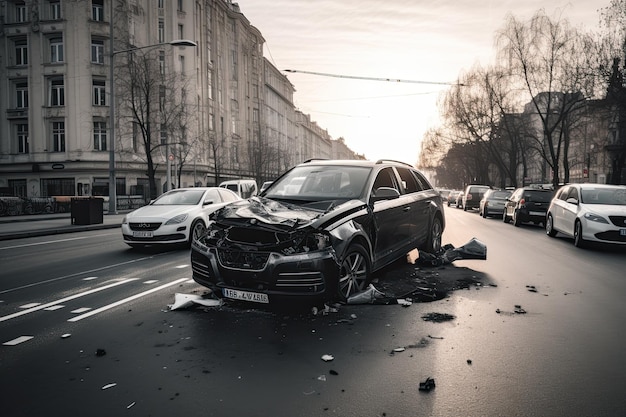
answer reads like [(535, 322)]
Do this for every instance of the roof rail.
[(315, 159), (382, 161)]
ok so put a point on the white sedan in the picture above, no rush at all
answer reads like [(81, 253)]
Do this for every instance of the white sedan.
[(177, 216), (589, 213)]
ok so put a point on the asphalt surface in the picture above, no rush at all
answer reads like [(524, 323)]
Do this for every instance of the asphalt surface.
[(17, 227)]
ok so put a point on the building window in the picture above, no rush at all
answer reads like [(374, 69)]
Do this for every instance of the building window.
[(55, 9), (180, 6), (22, 137), (100, 136), (57, 92), (97, 51), (161, 98), (235, 154), (181, 64), (97, 10), (21, 95), (58, 136), (163, 134), (99, 92), (181, 31), (18, 187), (161, 31), (57, 186), (162, 62), (21, 13), (56, 49), (21, 52), (160, 4)]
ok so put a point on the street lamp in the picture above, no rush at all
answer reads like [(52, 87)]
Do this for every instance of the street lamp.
[(112, 53)]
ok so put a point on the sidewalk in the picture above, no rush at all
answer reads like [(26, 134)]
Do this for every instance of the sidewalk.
[(16, 227)]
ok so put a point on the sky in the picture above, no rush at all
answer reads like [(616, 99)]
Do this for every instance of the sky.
[(422, 46)]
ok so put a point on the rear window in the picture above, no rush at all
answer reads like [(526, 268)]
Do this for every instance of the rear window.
[(537, 196)]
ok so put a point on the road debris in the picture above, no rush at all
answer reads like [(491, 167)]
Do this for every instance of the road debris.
[(474, 249), (327, 358), (438, 317), (101, 352), (427, 385), (187, 300), (66, 335), (107, 386), (368, 296)]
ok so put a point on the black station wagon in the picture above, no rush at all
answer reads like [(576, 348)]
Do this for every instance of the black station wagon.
[(318, 232)]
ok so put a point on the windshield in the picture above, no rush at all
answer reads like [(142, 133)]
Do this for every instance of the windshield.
[(317, 182), (604, 196), (179, 197), (500, 195)]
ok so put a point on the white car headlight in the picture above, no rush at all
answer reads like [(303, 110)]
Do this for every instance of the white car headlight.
[(178, 219), (592, 217)]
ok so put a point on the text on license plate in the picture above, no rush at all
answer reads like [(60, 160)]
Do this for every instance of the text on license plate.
[(246, 296), (622, 232), (142, 234), (537, 213)]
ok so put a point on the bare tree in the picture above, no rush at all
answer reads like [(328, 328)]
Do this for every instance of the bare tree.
[(150, 99), (547, 58)]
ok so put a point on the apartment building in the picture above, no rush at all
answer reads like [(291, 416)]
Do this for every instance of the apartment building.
[(209, 112)]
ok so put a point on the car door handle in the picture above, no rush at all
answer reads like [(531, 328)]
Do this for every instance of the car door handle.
[(407, 208)]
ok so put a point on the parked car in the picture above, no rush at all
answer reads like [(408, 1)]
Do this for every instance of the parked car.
[(452, 197), (345, 220), (526, 205), (244, 188), (177, 216), (472, 196), (589, 213), (492, 203)]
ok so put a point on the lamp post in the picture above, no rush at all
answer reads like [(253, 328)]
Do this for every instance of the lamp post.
[(112, 53)]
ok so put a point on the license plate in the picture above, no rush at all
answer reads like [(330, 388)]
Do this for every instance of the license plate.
[(142, 234), (622, 232), (537, 213), (246, 296)]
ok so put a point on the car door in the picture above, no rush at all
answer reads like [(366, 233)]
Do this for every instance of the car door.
[(388, 216), (570, 210), (419, 197), (558, 208)]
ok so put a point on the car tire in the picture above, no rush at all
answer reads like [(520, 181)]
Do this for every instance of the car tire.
[(433, 244), (516, 220), (579, 242), (355, 272), (550, 231), (198, 229)]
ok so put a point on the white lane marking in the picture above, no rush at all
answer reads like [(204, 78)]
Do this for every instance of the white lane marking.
[(55, 241), (80, 310), (30, 305), (182, 266), (18, 340), (78, 273), (89, 278), (150, 281), (125, 300), (53, 308), (71, 297)]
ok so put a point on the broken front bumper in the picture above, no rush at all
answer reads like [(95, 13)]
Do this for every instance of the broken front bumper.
[(282, 277)]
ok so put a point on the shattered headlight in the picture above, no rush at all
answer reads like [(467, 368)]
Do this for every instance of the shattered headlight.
[(177, 219), (309, 242)]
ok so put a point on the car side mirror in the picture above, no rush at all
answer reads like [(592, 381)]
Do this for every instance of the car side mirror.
[(572, 200), (207, 202), (384, 193)]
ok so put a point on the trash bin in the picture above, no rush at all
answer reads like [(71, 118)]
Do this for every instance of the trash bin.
[(86, 211)]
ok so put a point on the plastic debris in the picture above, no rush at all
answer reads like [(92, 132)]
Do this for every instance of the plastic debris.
[(187, 300), (398, 350), (107, 386), (427, 385), (404, 302), (321, 378), (474, 249), (65, 336), (101, 352), (327, 358), (367, 296), (131, 405), (438, 317)]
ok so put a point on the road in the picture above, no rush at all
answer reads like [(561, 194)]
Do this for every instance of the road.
[(85, 330)]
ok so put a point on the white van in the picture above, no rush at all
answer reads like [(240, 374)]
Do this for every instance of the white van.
[(245, 188)]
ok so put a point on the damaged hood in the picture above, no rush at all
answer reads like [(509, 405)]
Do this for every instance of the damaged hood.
[(263, 211), (278, 215)]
